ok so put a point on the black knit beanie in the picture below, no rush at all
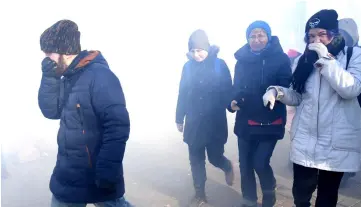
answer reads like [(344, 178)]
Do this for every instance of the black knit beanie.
[(62, 38), (324, 19), (198, 40)]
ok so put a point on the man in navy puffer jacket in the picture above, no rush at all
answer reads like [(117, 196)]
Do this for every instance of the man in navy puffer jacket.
[(78, 88)]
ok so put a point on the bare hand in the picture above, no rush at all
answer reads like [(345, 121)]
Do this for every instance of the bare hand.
[(180, 127), (234, 106)]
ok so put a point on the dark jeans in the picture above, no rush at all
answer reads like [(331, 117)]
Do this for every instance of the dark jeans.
[(197, 159), (255, 156), (305, 182)]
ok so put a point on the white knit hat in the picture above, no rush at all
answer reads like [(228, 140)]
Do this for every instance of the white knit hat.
[(349, 26)]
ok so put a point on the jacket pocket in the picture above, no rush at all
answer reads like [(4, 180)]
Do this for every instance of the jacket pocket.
[(296, 121), (80, 113), (89, 156), (346, 129)]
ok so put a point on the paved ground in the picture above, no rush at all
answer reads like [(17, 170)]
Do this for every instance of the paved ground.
[(157, 174)]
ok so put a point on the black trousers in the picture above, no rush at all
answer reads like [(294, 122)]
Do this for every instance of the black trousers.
[(305, 182), (255, 156), (197, 159)]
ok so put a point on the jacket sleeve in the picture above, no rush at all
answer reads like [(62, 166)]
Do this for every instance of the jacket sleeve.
[(291, 97), (284, 74), (182, 94), (347, 83), (109, 105), (49, 97), (237, 91), (226, 85)]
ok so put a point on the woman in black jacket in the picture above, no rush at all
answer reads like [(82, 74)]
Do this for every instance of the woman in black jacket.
[(260, 64), (204, 94)]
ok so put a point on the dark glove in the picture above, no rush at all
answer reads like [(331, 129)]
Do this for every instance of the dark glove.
[(48, 66), (106, 185)]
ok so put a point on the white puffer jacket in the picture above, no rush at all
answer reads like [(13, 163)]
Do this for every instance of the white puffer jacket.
[(326, 129)]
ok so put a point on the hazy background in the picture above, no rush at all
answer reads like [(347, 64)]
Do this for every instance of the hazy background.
[(145, 43)]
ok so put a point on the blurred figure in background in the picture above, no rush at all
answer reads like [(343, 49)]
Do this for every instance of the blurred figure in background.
[(78, 88), (204, 93), (326, 130), (260, 64), (349, 31)]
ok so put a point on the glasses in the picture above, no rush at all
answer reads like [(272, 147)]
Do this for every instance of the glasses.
[(320, 35), (259, 37)]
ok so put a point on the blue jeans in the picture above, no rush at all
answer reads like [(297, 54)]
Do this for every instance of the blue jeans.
[(120, 202)]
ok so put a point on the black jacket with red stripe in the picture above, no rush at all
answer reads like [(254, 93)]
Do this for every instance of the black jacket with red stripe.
[(254, 73)]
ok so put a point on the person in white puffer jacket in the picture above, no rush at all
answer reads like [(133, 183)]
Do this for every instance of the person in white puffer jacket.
[(326, 130)]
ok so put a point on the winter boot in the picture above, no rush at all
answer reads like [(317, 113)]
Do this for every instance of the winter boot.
[(269, 199)]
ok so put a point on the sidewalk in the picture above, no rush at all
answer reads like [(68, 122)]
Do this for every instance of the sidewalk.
[(152, 179)]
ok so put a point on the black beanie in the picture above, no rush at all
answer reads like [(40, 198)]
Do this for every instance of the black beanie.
[(324, 19), (198, 40), (62, 38)]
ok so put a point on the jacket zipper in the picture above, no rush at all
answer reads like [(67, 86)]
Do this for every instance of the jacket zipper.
[(63, 92), (262, 79), (81, 116), (89, 158)]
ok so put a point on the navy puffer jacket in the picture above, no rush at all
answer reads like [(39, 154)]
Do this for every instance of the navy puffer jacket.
[(94, 129), (254, 73), (204, 92)]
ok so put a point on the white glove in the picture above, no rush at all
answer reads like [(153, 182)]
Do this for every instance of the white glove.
[(319, 48), (270, 97)]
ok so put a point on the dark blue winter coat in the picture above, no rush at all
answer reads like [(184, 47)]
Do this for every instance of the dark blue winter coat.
[(204, 94), (94, 128), (254, 73)]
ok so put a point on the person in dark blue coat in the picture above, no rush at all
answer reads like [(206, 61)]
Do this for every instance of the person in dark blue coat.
[(78, 88), (260, 64), (204, 94)]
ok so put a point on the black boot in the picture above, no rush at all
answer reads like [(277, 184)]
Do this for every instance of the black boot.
[(269, 199)]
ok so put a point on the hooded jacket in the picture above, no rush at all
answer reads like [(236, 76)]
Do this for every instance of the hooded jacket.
[(326, 129), (253, 75), (94, 129), (204, 94)]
